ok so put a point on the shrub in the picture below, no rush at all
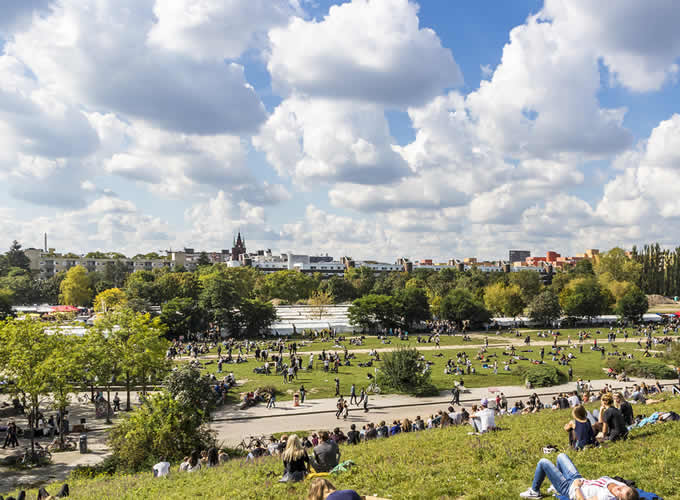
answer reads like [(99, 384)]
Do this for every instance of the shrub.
[(403, 371), (162, 427), (542, 375), (641, 368)]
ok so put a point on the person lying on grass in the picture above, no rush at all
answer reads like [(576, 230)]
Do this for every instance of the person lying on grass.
[(322, 489), (567, 481)]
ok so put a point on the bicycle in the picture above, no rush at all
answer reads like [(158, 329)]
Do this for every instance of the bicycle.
[(253, 442), (373, 388), (39, 455)]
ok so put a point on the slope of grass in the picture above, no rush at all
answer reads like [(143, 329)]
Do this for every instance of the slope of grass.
[(446, 463)]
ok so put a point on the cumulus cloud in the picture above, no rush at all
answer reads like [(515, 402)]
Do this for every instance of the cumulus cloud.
[(215, 29), (321, 140), (97, 53), (366, 50), (638, 41)]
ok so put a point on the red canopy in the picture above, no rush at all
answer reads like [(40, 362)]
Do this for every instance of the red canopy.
[(64, 309), (677, 313)]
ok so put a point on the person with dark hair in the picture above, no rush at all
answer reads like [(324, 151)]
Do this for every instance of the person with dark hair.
[(580, 431), (194, 461), (213, 457), (567, 481), (326, 454), (353, 436), (610, 421)]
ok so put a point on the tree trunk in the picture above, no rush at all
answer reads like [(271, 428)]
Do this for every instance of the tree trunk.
[(34, 419), (127, 390), (61, 428), (108, 404)]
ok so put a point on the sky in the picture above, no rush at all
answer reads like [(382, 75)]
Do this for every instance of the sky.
[(375, 129)]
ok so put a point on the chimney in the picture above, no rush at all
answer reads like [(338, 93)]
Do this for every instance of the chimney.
[(45, 242)]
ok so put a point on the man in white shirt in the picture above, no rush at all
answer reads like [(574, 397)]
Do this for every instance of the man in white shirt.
[(484, 419), (574, 400), (567, 481), (161, 469)]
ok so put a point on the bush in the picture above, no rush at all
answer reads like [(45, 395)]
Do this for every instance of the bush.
[(542, 375), (403, 371), (162, 427), (641, 368)]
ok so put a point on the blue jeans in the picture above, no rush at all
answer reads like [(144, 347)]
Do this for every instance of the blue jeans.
[(561, 476)]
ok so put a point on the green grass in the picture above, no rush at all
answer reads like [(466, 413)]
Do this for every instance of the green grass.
[(441, 463), (320, 384)]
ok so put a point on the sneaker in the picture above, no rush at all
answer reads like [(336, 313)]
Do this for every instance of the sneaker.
[(552, 490), (530, 494)]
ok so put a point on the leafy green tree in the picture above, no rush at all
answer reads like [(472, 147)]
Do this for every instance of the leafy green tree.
[(203, 260), (585, 297), (100, 360), (48, 288), (632, 305), (339, 288), (412, 305), (320, 302), (26, 349), (141, 288), (25, 289), (403, 371), (618, 289), (504, 299), (290, 286), (110, 300), (529, 283), (173, 285), (362, 278), (183, 315), (560, 280), (582, 269), (373, 310), (545, 307), (6, 301), (256, 316), (461, 305), (75, 288), (16, 257), (192, 389), (616, 265), (219, 298)]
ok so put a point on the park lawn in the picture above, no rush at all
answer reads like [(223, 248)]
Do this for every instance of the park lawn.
[(439, 463), (320, 384)]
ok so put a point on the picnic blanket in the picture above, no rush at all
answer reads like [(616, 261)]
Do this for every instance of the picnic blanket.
[(645, 495), (342, 467)]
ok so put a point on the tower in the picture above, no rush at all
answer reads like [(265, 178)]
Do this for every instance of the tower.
[(239, 247)]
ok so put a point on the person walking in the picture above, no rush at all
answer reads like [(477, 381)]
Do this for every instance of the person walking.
[(340, 406), (337, 387), (361, 396), (302, 394), (272, 400), (366, 403), (11, 438), (455, 392), (353, 395)]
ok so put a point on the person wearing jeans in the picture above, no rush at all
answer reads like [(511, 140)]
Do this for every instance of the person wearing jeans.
[(568, 482)]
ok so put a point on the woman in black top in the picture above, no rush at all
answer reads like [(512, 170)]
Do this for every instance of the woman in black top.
[(613, 424), (624, 407), (295, 460)]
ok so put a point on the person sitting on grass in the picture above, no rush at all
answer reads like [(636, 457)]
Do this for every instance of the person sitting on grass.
[(624, 407), (484, 419), (580, 431), (611, 424), (322, 489), (567, 481), (295, 460), (326, 454)]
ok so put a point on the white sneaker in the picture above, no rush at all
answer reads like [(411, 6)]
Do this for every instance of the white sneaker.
[(530, 494), (552, 490)]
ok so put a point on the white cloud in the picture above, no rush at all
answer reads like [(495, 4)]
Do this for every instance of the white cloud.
[(217, 29), (319, 140), (638, 41), (96, 53), (366, 50)]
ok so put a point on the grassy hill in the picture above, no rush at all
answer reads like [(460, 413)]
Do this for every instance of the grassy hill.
[(446, 463)]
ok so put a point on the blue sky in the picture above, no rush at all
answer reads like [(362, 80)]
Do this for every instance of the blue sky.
[(371, 128)]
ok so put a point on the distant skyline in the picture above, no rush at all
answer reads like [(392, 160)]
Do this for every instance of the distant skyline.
[(370, 128)]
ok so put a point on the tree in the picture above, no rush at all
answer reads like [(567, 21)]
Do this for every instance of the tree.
[(362, 279), (320, 301), (256, 316), (582, 269), (193, 390), (110, 300), (26, 347), (183, 315), (141, 288), (173, 285), (203, 260), (403, 371), (100, 361), (75, 288), (616, 265), (25, 289), (48, 288), (460, 305), (16, 257), (632, 305), (529, 283), (373, 310), (219, 298), (413, 306), (504, 299), (585, 297), (545, 307), (340, 289), (6, 301)]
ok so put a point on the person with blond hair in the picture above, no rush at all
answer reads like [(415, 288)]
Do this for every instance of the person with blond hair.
[(295, 460), (611, 421)]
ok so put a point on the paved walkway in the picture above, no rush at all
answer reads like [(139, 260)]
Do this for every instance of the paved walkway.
[(233, 425)]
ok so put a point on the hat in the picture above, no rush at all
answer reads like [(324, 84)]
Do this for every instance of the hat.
[(484, 402), (579, 413)]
